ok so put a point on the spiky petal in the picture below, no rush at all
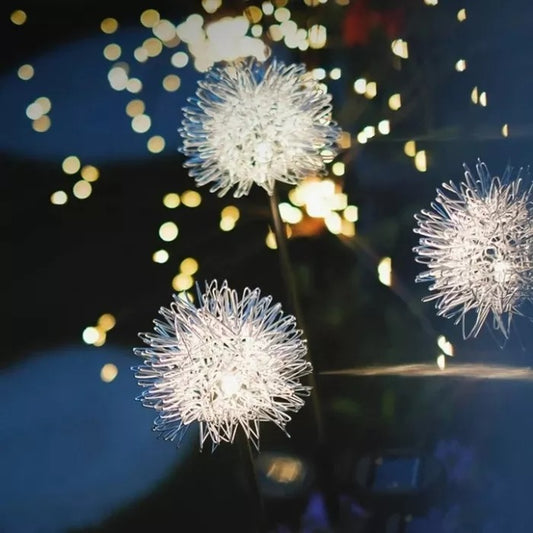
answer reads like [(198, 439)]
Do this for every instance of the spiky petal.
[(253, 122), (477, 243), (233, 360)]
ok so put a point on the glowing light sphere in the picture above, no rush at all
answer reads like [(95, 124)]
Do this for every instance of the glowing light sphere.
[(256, 122), (233, 360), (477, 243)]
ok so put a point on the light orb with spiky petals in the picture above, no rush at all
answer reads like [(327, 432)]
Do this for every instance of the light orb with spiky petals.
[(233, 360), (477, 245), (257, 122)]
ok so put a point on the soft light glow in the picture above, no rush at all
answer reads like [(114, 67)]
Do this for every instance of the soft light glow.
[(369, 131), (359, 86), (71, 164), (344, 140), (25, 72), (463, 371), (335, 73), (284, 470), (109, 25), (140, 54), (385, 271), (226, 224), (505, 130), (112, 52), (82, 189), (222, 39), (351, 213), (477, 246), (171, 200), (348, 228), (210, 6), (90, 173), (460, 66), (315, 195), (338, 168), (149, 18), (34, 111), (18, 17), (371, 90), (168, 231), (230, 211), (273, 135), (441, 361), (289, 213), (409, 148), (90, 335), (253, 14), (44, 103), (445, 345), (179, 59), (42, 124), (275, 32), (118, 77), (421, 161), (107, 321), (160, 256), (319, 73), (156, 144), (59, 198), (182, 282), (399, 47), (474, 95), (282, 14), (395, 102), (164, 30), (317, 36), (483, 99), (233, 362), (134, 108), (108, 372), (191, 198), (268, 8), (333, 222), (461, 15), (270, 240), (189, 266), (256, 30), (384, 127), (134, 85), (152, 46), (141, 123)]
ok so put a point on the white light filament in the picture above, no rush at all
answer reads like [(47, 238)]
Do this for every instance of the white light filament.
[(253, 122), (233, 361), (478, 246)]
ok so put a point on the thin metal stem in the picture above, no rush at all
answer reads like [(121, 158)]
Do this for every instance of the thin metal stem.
[(288, 277), (251, 477)]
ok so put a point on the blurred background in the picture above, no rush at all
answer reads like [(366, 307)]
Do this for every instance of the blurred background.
[(102, 224)]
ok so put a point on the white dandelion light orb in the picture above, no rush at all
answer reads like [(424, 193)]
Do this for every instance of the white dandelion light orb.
[(233, 360), (256, 122), (477, 245)]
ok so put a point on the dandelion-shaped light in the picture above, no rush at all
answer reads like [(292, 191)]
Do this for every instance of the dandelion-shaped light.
[(477, 243), (257, 122), (233, 360)]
